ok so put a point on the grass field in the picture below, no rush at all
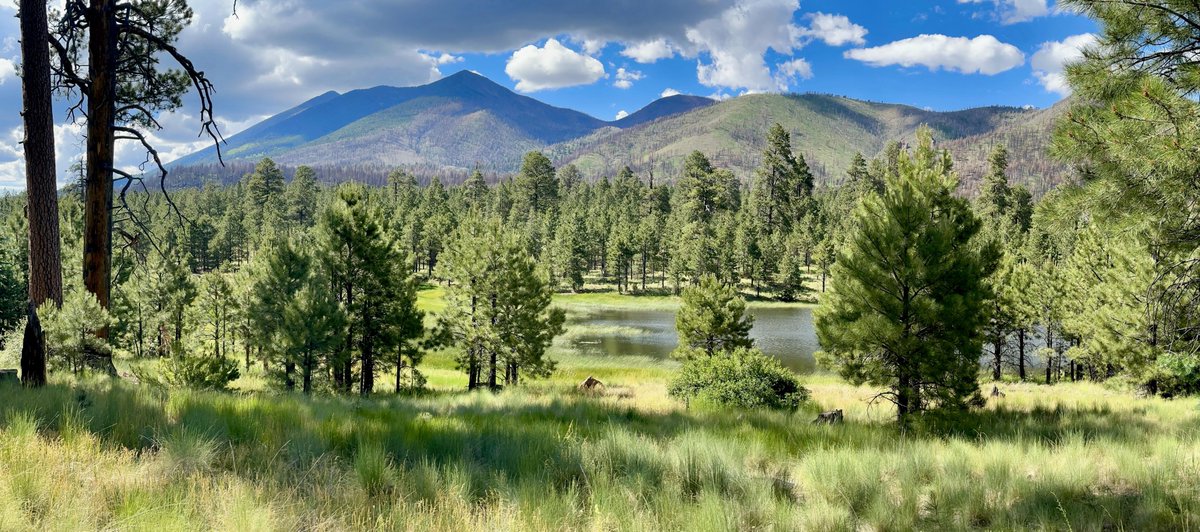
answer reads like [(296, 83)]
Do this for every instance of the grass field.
[(101, 454)]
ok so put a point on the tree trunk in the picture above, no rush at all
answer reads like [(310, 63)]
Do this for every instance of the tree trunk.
[(368, 369), (289, 369), (1049, 344), (33, 352), (308, 372), (45, 261), (903, 399), (996, 361), (98, 179), (1021, 353)]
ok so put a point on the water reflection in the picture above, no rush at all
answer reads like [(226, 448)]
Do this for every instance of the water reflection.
[(782, 332)]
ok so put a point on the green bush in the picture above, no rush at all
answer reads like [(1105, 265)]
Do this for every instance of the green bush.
[(199, 372), (743, 378), (71, 329)]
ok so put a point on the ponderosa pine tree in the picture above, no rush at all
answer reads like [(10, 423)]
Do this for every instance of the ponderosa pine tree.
[(711, 320), (373, 284), (782, 183), (537, 185), (497, 306), (907, 302), (1135, 102), (279, 273), (570, 251), (216, 310), (301, 198), (44, 256)]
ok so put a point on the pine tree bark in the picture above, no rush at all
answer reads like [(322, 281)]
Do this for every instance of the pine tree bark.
[(98, 176), (45, 261)]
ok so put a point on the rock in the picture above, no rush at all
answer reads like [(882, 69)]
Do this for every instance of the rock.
[(832, 417), (591, 384)]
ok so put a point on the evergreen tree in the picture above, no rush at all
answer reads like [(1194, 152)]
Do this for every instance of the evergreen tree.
[(711, 320), (537, 183), (1135, 99), (907, 303), (216, 310), (373, 285), (497, 306), (302, 198)]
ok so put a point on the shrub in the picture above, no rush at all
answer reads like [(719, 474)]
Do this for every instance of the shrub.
[(743, 378), (184, 370), (71, 329)]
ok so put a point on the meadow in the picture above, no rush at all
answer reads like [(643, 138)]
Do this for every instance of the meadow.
[(105, 454)]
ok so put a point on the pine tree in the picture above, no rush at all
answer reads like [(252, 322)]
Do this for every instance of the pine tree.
[(570, 245), (373, 284), (791, 279), (1135, 97), (302, 198), (907, 302), (537, 184), (497, 306), (711, 320), (215, 309), (476, 190)]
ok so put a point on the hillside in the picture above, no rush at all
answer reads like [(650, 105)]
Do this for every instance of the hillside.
[(462, 120), (465, 121), (828, 130)]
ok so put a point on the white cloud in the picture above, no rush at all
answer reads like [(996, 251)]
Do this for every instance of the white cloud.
[(446, 59), (625, 78), (594, 46), (737, 40), (7, 69), (1049, 60), (834, 30), (983, 54), (622, 114), (1014, 11), (649, 51), (668, 92), (552, 66), (788, 71)]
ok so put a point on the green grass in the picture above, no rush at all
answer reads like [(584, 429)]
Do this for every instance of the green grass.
[(105, 454), (110, 455)]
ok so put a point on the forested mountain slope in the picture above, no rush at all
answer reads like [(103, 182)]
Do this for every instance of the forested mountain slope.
[(466, 121), (827, 130)]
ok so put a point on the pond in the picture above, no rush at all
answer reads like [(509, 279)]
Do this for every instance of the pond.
[(785, 333)]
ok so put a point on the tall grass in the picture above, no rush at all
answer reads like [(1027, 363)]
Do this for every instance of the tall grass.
[(105, 455)]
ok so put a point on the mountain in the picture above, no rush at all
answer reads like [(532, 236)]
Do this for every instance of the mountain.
[(466, 120), (671, 105), (827, 130), (459, 121)]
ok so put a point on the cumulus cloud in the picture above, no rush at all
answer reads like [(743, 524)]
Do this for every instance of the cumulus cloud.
[(736, 42), (668, 92), (649, 51), (1014, 11), (621, 114), (834, 30), (983, 54), (625, 78), (552, 66), (7, 70), (788, 71), (1050, 59)]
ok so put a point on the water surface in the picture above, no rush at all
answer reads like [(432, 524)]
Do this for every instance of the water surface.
[(785, 333)]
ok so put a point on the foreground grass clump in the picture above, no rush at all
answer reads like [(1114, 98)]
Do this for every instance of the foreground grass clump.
[(103, 454)]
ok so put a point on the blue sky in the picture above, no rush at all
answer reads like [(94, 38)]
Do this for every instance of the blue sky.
[(600, 57), (832, 72)]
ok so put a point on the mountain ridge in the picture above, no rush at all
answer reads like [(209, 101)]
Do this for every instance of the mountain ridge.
[(467, 121)]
